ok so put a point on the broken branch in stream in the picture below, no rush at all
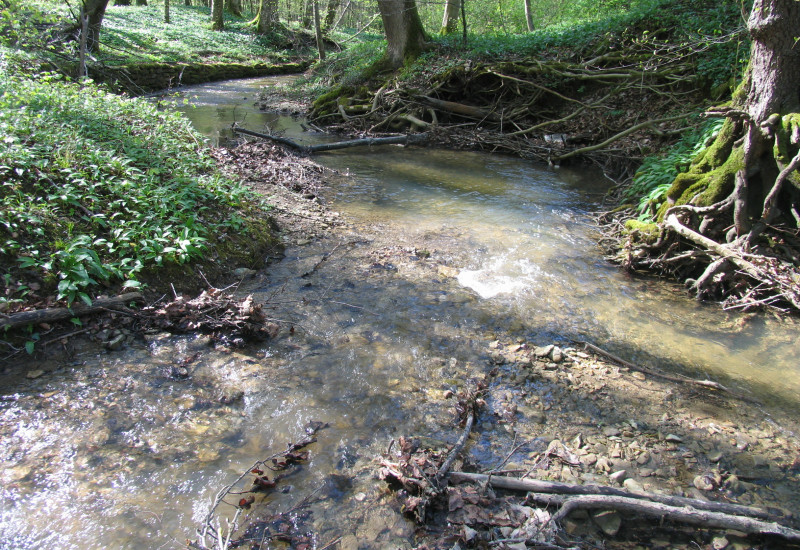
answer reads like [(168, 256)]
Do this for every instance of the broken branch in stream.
[(311, 149), (679, 509), (555, 487), (682, 379)]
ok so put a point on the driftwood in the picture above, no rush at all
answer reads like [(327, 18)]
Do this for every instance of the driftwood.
[(51, 315), (685, 510), (681, 379), (310, 149), (554, 487), (460, 109), (688, 515)]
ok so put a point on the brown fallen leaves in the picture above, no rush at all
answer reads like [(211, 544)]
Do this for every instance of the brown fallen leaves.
[(228, 319)]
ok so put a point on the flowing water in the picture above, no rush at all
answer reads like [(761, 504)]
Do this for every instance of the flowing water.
[(444, 251)]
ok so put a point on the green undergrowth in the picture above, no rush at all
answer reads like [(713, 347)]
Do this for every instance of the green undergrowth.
[(711, 32), (657, 173), (138, 34), (100, 192)]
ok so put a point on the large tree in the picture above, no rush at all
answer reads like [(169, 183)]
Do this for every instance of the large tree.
[(267, 18), (404, 32), (747, 182)]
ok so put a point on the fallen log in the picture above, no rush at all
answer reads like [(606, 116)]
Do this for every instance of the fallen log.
[(51, 315), (311, 149), (554, 487)]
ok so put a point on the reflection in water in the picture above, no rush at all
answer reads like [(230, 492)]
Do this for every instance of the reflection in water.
[(113, 452)]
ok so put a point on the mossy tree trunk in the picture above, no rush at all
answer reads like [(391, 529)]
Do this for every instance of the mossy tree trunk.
[(748, 180), (217, 15), (267, 18), (760, 137), (452, 10), (404, 32)]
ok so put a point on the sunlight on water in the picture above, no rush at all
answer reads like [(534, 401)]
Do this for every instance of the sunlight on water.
[(110, 451)]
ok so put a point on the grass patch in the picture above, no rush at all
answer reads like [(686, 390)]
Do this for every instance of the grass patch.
[(97, 190)]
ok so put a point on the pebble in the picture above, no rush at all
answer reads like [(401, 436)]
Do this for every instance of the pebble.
[(672, 438), (618, 476), (35, 373), (633, 486), (608, 521)]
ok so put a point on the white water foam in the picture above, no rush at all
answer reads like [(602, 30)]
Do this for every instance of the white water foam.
[(501, 275)]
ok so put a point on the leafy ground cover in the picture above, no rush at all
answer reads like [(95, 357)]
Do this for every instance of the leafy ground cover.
[(101, 191)]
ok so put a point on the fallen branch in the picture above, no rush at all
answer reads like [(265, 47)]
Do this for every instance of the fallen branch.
[(615, 137), (682, 379), (555, 487), (688, 515), (50, 315), (442, 474), (460, 109), (310, 149)]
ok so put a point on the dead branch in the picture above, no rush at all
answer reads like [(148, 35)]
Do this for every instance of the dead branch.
[(682, 379), (459, 446), (310, 149), (689, 515), (555, 487), (615, 137), (460, 109), (50, 315)]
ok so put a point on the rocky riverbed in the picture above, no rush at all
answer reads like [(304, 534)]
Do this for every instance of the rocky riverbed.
[(149, 430)]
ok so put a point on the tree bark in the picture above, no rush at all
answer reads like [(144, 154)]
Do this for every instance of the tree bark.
[(166, 12), (217, 15), (404, 32), (330, 15), (234, 7), (51, 315), (267, 17), (452, 10), (318, 32), (95, 9), (528, 15)]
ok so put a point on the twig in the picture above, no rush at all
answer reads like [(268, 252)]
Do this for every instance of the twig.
[(441, 475)]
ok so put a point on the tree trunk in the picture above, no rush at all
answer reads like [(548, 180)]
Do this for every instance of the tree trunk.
[(234, 7), (404, 32), (217, 15), (166, 12), (771, 87), (330, 15), (318, 32), (747, 182), (95, 9), (452, 9), (528, 15), (267, 17)]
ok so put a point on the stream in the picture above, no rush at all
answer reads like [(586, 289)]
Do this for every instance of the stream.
[(442, 252)]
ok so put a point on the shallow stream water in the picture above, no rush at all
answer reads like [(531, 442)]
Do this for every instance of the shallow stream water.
[(443, 252)]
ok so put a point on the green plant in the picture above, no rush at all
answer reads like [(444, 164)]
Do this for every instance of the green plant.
[(96, 188), (656, 174)]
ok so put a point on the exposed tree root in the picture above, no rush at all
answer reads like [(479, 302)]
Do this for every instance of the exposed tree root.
[(547, 110)]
